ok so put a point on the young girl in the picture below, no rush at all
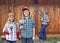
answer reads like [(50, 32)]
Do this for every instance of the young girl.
[(10, 29), (45, 21)]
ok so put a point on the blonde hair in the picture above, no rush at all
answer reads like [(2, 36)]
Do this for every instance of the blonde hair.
[(11, 14)]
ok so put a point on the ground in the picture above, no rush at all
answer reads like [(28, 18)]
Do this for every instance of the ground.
[(49, 40), (36, 41)]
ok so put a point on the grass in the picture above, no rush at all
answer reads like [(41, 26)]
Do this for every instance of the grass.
[(53, 38)]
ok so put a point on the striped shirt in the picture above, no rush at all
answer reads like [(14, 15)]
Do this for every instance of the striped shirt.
[(7, 27)]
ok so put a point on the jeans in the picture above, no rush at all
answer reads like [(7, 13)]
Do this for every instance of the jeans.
[(27, 40), (11, 41), (43, 32)]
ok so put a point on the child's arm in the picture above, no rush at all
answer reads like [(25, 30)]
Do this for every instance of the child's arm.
[(18, 31), (34, 33), (17, 27), (33, 30), (41, 19), (47, 19), (21, 22), (5, 30)]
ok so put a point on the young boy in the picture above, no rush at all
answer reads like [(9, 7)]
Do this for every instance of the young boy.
[(27, 26), (10, 29)]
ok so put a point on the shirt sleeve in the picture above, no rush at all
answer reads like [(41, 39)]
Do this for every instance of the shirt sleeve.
[(33, 24), (47, 17), (21, 21), (17, 27)]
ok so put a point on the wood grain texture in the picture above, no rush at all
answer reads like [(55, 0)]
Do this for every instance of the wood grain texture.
[(17, 6)]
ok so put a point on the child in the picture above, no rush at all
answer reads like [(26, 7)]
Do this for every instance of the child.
[(27, 26), (10, 29), (45, 20)]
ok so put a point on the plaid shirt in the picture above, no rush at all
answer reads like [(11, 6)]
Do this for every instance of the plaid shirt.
[(7, 27), (28, 25), (45, 18)]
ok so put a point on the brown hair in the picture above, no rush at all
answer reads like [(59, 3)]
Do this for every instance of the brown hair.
[(25, 9)]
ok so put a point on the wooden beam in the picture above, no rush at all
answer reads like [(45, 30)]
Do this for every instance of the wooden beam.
[(36, 15)]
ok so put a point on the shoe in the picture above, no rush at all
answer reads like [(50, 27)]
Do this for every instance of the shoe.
[(42, 40)]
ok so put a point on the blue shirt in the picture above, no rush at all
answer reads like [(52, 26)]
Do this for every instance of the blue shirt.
[(27, 31)]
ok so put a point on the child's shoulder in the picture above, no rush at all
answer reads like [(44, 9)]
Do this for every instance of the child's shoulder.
[(6, 24)]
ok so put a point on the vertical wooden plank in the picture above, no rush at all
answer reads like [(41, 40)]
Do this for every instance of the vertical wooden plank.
[(3, 13), (59, 18), (36, 15), (0, 14)]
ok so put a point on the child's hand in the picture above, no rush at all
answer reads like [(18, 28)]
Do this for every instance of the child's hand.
[(21, 27), (33, 38), (10, 32)]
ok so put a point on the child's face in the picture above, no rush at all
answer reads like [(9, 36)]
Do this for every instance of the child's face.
[(26, 13), (11, 17)]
